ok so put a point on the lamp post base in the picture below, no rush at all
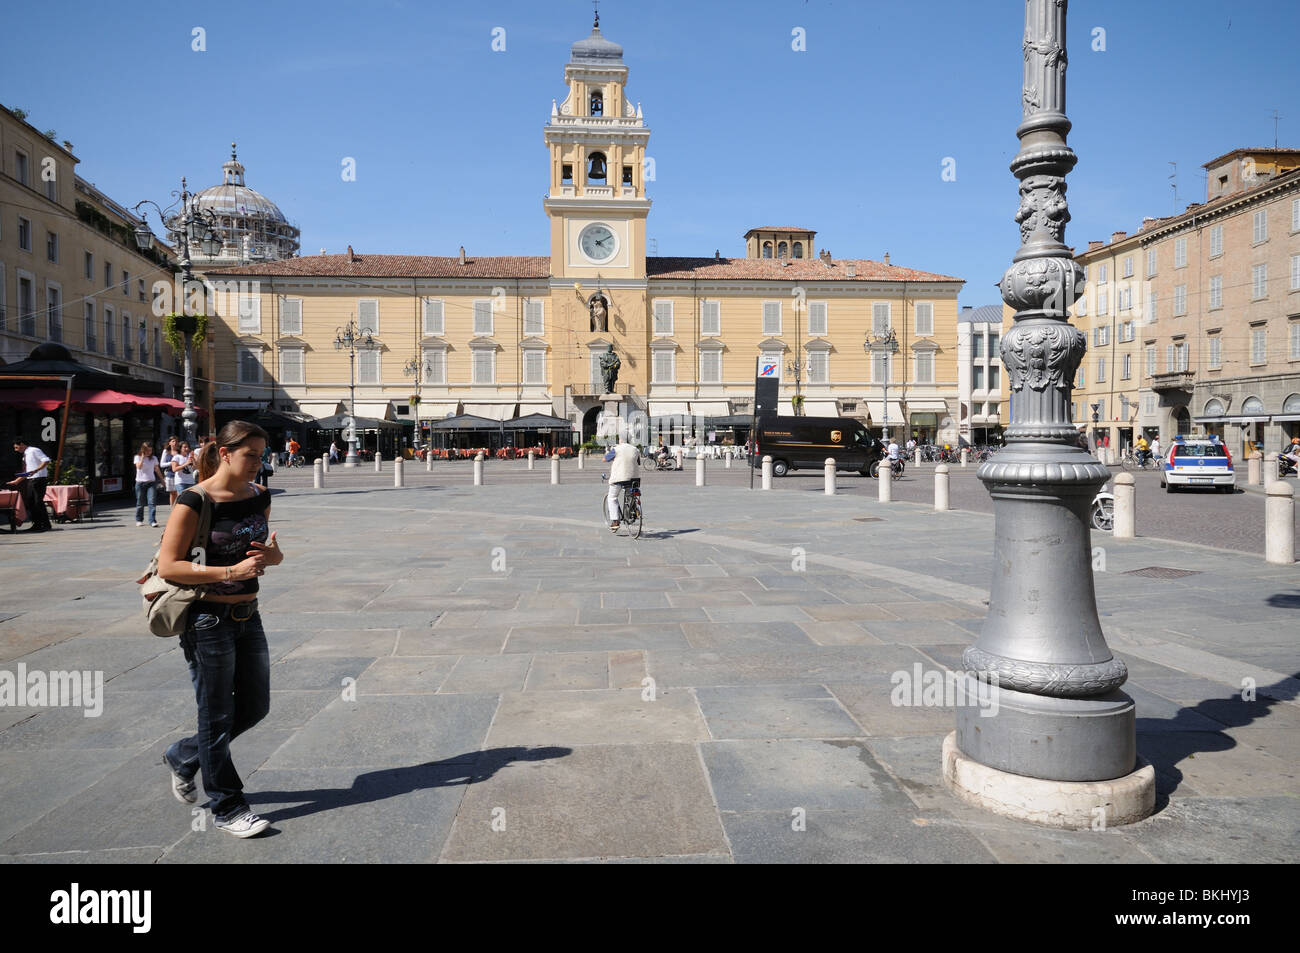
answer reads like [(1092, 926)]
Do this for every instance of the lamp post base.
[(1072, 805)]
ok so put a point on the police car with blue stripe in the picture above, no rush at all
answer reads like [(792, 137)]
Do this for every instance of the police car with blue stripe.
[(1198, 462)]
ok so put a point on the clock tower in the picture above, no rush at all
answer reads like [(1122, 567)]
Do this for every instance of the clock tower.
[(595, 143)]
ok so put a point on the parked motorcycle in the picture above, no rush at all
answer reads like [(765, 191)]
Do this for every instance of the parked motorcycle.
[(1285, 466), (1102, 512)]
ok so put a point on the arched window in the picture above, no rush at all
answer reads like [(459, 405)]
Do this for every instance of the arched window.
[(1214, 408), (598, 104), (596, 169), (798, 249), (1253, 406), (782, 250), (767, 249), (1291, 405)]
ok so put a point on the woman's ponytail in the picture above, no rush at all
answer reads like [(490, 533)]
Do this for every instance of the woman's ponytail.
[(209, 459)]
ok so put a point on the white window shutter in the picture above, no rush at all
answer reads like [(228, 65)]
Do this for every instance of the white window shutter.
[(710, 318), (534, 318), (772, 318), (817, 321), (368, 314), (250, 315), (433, 318), (291, 316)]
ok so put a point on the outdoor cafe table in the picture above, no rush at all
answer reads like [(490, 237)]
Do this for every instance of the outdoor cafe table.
[(70, 501), (13, 498)]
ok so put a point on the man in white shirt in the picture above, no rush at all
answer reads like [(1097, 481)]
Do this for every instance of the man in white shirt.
[(36, 468), (1155, 449), (624, 459)]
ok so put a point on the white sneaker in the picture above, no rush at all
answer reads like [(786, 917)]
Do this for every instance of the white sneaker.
[(182, 790), (154, 525), (138, 523), (243, 824)]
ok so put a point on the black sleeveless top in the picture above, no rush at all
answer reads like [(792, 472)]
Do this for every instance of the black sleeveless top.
[(235, 524)]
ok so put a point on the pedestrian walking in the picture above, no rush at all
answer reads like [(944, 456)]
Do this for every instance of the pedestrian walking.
[(224, 641), (165, 461), (183, 468), (268, 467), (148, 478)]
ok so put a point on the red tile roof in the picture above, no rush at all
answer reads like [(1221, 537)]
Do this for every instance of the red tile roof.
[(537, 266), (786, 269), (397, 266)]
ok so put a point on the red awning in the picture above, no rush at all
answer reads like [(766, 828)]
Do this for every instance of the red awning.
[(107, 402)]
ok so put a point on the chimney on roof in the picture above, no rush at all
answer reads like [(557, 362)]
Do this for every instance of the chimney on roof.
[(825, 256), (717, 254), (886, 258), (1118, 237), (1094, 245), (352, 256), (462, 254), (322, 251)]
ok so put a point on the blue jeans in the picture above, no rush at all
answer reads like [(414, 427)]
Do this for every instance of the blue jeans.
[(143, 490), (231, 670)]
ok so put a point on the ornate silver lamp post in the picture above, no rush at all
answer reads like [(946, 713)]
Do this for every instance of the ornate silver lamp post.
[(885, 344), (190, 224), (350, 338), (1060, 747)]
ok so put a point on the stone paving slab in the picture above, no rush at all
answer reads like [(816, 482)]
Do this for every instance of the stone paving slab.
[(668, 699)]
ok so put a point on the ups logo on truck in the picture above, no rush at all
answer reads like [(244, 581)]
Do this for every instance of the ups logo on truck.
[(836, 436)]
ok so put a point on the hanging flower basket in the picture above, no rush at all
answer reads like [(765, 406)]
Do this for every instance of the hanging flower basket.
[(176, 326)]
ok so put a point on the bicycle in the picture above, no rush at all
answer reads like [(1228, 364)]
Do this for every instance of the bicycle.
[(629, 506), (652, 461), (1130, 460)]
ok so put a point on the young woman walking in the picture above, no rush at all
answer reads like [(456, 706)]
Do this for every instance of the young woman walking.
[(184, 468), (224, 643), (148, 474), (169, 477)]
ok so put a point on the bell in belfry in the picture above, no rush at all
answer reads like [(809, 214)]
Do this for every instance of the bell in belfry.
[(597, 169)]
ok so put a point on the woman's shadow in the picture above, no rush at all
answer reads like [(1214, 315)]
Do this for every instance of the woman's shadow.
[(469, 768)]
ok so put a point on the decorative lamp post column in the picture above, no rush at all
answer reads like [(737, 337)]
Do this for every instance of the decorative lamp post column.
[(1043, 732), (189, 224), (412, 369), (350, 338), (885, 345)]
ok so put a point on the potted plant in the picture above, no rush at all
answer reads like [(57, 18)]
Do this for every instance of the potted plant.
[(175, 326)]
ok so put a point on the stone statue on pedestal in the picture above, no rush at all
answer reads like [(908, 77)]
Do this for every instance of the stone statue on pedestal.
[(609, 365)]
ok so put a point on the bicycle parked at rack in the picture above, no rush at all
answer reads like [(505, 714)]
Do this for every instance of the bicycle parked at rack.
[(629, 506)]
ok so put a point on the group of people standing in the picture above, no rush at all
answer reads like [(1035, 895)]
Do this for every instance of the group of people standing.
[(175, 471)]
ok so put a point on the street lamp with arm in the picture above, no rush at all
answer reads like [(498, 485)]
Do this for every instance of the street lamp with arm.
[(199, 225), (350, 338)]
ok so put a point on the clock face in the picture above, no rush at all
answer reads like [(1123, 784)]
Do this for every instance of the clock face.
[(598, 243)]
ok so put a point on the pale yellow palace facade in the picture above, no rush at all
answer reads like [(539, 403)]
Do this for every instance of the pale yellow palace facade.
[(505, 337)]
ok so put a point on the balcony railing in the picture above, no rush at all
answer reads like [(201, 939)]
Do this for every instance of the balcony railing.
[(1172, 380)]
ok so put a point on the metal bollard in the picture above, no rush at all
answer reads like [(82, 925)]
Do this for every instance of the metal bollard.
[(964, 455), (699, 471), (478, 469), (767, 473), (379, 462), (1253, 469), (1279, 524), (555, 469), (399, 475), (941, 488), (830, 476), (1270, 469), (886, 481), (1125, 524), (530, 459), (317, 475)]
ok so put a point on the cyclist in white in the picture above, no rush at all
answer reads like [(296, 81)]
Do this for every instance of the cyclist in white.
[(893, 451), (625, 458)]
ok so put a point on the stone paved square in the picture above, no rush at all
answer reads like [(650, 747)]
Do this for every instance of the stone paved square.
[(673, 698)]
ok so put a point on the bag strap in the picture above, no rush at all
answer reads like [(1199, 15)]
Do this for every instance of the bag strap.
[(204, 529)]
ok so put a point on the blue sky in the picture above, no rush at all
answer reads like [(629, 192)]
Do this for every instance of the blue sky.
[(847, 137)]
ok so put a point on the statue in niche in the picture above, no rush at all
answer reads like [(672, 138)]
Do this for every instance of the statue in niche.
[(609, 365), (599, 308)]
